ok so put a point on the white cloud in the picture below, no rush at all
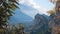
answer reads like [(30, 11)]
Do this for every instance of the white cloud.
[(34, 5)]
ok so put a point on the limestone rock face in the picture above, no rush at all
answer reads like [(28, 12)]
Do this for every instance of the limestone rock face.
[(41, 24)]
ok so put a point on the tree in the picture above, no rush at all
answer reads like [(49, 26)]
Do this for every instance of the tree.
[(50, 12), (17, 29), (56, 18), (54, 1), (6, 10)]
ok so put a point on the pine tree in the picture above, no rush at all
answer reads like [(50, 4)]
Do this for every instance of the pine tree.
[(6, 9)]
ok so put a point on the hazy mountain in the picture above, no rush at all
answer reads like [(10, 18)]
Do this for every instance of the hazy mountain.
[(19, 16)]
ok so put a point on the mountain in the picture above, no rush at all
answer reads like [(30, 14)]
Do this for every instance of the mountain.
[(23, 15), (41, 24), (47, 17), (19, 16)]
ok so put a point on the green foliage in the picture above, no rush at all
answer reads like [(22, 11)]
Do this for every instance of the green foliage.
[(6, 10), (16, 29)]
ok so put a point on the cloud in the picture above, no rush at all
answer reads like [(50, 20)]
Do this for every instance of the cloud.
[(33, 4)]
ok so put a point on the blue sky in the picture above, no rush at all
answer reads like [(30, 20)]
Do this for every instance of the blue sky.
[(45, 3)]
